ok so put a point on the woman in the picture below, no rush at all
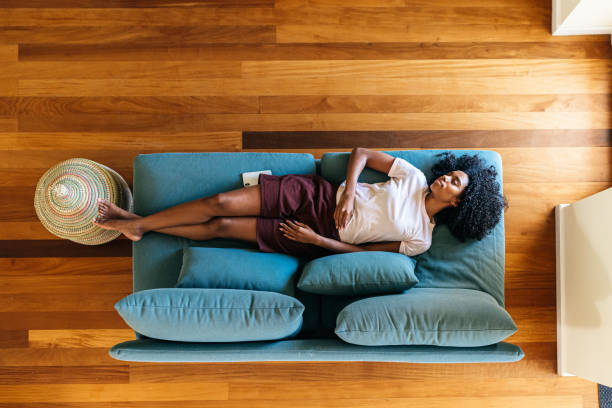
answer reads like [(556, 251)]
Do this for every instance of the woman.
[(305, 215)]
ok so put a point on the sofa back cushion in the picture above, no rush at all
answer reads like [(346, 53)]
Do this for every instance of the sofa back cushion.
[(358, 273), (211, 315), (426, 316), (234, 268), (449, 263)]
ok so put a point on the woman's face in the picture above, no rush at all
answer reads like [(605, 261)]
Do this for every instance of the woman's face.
[(449, 187)]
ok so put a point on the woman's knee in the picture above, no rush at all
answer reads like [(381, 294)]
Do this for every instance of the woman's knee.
[(220, 226), (243, 228), (215, 204)]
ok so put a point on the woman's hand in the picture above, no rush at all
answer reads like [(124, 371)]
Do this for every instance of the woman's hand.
[(299, 232), (344, 210)]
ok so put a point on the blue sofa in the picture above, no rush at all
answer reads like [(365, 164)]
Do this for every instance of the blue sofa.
[(166, 179)]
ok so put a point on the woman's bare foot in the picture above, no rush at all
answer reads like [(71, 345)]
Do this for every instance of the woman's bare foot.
[(112, 217), (108, 210)]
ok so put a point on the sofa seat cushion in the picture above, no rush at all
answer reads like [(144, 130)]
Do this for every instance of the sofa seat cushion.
[(163, 180), (359, 273), (234, 268), (426, 316), (449, 263), (211, 315)]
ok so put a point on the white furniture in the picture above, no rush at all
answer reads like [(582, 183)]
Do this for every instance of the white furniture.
[(574, 17), (584, 288)]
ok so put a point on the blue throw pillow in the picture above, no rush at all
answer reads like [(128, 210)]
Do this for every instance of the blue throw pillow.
[(426, 316), (211, 315), (232, 268), (359, 273)]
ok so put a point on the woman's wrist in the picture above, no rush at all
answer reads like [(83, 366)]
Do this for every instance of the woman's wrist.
[(349, 190), (337, 246)]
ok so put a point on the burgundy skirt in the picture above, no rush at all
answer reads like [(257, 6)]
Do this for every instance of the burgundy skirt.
[(307, 198)]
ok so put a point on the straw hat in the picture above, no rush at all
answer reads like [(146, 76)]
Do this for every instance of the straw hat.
[(66, 199)]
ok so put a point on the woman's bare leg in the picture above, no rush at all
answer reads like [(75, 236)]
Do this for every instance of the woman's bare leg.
[(237, 203), (243, 228)]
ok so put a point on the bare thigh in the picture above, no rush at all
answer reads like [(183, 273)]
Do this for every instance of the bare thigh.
[(243, 228), (239, 203)]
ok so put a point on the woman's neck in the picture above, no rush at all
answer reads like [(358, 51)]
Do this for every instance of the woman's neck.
[(433, 206)]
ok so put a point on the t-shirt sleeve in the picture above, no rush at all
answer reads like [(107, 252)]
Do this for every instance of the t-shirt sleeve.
[(413, 247), (402, 169)]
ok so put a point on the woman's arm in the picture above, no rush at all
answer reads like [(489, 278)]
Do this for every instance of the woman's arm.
[(339, 246), (360, 158), (300, 232)]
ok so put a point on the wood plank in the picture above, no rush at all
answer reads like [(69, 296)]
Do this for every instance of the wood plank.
[(122, 69), (524, 85), (430, 388), (433, 103), (65, 375), (12, 106), (407, 32), (60, 357), (539, 4), (61, 320), (135, 3), (461, 68), (464, 68), (8, 87), (346, 371), (61, 302), (13, 338), (563, 401), (9, 52), (8, 124), (114, 392), (116, 159), (428, 139), (30, 176), (53, 248), (150, 141), (186, 16), (524, 297), (64, 267), (84, 338), (538, 165), (535, 324), (328, 51), (102, 283), (323, 122), (8, 106), (139, 33)]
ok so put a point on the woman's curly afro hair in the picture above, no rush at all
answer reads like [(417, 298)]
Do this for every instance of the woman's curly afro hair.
[(481, 204)]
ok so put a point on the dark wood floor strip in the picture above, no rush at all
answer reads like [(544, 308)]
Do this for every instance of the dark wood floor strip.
[(322, 51), (63, 248), (134, 3)]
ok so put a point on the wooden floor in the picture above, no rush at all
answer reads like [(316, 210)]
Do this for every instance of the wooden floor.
[(109, 79)]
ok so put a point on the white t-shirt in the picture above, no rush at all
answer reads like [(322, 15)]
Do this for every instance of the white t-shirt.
[(391, 211)]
